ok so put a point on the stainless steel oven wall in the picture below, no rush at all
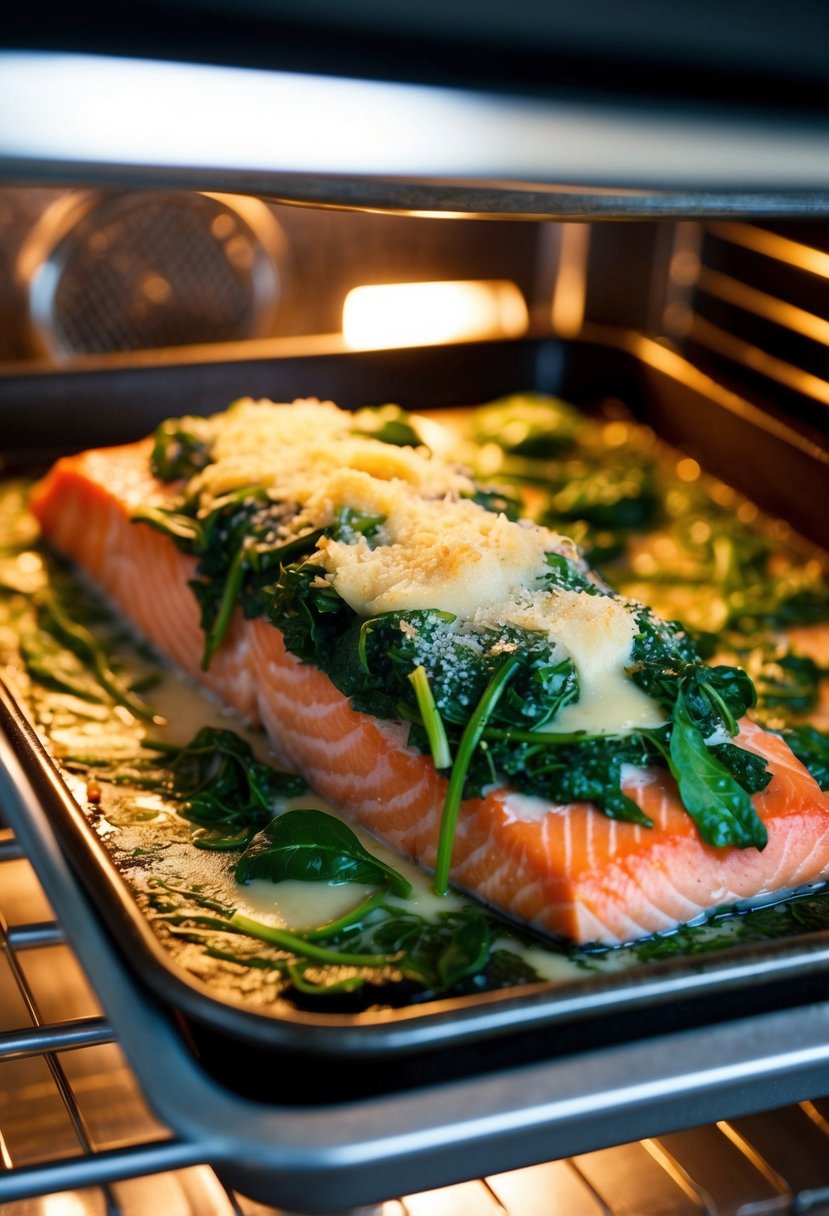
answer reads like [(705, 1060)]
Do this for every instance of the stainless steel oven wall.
[(95, 271)]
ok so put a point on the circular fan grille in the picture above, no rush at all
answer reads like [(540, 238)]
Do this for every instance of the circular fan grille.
[(136, 271)]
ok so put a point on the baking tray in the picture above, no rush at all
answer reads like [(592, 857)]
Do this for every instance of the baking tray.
[(415, 1046)]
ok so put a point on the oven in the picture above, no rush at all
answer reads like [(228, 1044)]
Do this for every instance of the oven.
[(192, 217)]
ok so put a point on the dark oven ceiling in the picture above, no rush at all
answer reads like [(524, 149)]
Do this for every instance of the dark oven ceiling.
[(533, 111)]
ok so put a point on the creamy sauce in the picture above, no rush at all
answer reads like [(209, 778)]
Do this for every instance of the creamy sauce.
[(526, 808), (598, 632), (635, 778)]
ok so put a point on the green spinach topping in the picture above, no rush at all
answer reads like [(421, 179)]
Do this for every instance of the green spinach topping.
[(181, 448), (389, 424)]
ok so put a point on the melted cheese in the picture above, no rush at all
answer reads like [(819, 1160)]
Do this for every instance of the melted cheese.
[(450, 555), (597, 632)]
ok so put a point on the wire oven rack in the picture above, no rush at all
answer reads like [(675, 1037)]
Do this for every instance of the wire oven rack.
[(101, 1134)]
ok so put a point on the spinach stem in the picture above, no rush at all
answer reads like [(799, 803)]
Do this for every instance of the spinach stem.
[(172, 523), (351, 917), (432, 721), (230, 594), (202, 900), (730, 721), (301, 946), (466, 748), (546, 738)]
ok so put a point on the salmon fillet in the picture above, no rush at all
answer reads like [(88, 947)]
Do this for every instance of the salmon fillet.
[(568, 870)]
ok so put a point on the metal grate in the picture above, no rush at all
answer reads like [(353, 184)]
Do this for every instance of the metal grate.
[(750, 305), (72, 1115), (130, 271)]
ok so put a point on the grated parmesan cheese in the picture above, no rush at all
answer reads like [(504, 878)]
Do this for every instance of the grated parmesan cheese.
[(294, 450)]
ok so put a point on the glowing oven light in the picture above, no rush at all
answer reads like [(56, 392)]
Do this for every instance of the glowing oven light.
[(420, 314)]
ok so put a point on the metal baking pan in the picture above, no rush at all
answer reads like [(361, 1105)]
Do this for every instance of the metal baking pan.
[(417, 1045)]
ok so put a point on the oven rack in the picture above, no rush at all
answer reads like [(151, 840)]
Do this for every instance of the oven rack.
[(48, 1039), (762, 1165)]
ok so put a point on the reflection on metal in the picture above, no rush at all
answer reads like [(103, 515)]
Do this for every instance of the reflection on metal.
[(745, 1146), (762, 305), (683, 271), (771, 245), (757, 360), (567, 314), (419, 314), (366, 143)]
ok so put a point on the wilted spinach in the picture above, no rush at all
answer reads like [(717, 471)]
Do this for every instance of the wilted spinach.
[(457, 951), (312, 846), (389, 424), (215, 781), (181, 448)]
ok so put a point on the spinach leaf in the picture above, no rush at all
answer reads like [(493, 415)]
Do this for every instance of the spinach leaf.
[(748, 769), (215, 780), (528, 424), (499, 502), (721, 809), (568, 574), (312, 846), (442, 953), (389, 424), (181, 448), (183, 529), (351, 524), (776, 601), (811, 746), (787, 683), (51, 664), (466, 952), (606, 495), (717, 696), (312, 617), (573, 768), (54, 619), (460, 662), (454, 951), (661, 651)]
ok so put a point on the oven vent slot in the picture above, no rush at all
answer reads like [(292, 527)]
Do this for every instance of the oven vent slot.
[(752, 309)]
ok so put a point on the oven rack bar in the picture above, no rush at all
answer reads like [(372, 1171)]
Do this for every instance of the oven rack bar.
[(49, 1039), (767, 1165)]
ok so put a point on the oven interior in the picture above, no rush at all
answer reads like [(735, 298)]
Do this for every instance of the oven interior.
[(119, 291)]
